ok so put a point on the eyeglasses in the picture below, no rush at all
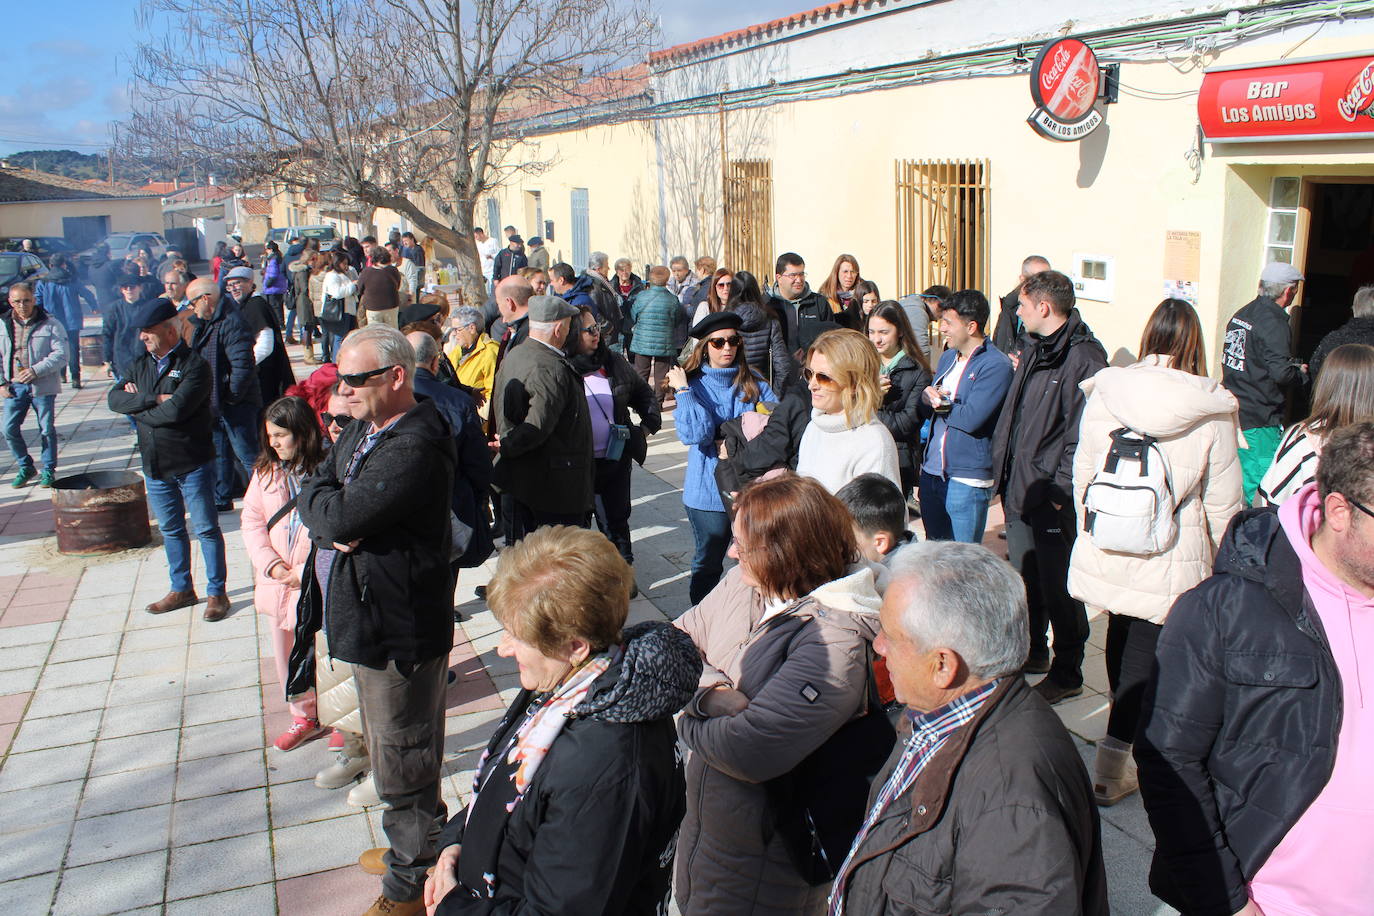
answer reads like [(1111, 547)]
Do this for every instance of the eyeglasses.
[(723, 284), (739, 548), (359, 379), (800, 275), (336, 419), (1365, 509), (592, 331), (821, 378), (720, 343)]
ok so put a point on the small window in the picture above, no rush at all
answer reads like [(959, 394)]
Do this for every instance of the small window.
[(1284, 195)]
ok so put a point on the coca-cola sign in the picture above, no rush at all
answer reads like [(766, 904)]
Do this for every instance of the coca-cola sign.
[(1314, 99), (1064, 84)]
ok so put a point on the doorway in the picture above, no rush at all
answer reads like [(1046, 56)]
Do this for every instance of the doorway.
[(1339, 255)]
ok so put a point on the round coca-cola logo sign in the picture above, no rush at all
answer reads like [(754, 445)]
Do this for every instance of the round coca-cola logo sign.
[(1064, 84)]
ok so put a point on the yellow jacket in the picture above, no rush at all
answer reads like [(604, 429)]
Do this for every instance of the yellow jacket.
[(477, 368)]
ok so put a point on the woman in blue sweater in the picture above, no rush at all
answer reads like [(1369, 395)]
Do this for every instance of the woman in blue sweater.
[(715, 386)]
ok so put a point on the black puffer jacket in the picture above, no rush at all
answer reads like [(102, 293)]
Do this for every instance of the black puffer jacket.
[(900, 413), (777, 445), (1239, 722), (596, 830), (234, 372), (1356, 330), (1257, 363), (1037, 432), (765, 343)]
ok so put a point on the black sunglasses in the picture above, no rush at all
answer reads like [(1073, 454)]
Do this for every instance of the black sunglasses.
[(336, 419), (359, 379), (808, 373), (1365, 509), (720, 343)]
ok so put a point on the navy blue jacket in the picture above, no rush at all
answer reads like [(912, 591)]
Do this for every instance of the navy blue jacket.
[(228, 332), (472, 480), (122, 346), (969, 425)]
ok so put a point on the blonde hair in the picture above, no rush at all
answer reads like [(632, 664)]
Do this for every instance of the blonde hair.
[(561, 583), (855, 367)]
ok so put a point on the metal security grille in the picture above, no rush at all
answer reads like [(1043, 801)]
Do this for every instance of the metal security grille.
[(749, 216), (581, 228), (943, 214)]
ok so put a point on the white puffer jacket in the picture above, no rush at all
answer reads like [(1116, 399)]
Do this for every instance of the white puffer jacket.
[(1194, 419), (336, 691)]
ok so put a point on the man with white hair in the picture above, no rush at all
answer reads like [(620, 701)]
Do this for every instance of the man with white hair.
[(377, 509), (544, 466), (988, 794)]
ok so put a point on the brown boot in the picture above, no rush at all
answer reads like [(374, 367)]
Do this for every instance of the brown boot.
[(172, 601), (309, 356), (216, 607), (371, 861), (385, 906)]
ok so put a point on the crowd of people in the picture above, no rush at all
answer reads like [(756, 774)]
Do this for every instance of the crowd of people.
[(861, 734)]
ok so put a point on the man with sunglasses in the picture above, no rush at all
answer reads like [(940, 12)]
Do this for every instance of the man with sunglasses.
[(377, 509), (1256, 737)]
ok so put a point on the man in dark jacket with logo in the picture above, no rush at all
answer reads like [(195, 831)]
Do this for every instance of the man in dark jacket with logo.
[(1256, 739), (1009, 335), (510, 259), (167, 395), (986, 807), (224, 340), (1258, 367), (378, 511), (544, 467), (1032, 463), (805, 313)]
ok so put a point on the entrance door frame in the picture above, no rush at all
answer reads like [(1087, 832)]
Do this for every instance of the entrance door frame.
[(1307, 196)]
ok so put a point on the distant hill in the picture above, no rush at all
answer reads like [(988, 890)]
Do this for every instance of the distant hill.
[(62, 162)]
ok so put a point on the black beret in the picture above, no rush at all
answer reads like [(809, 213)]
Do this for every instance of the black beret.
[(716, 321), (153, 313), (420, 311)]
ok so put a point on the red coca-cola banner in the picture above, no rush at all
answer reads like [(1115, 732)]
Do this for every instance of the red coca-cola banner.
[(1320, 98), (1064, 82)]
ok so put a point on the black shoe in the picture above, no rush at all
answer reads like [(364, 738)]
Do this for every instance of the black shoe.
[(1036, 664), (225, 507), (1054, 692), (634, 589), (481, 592), (76, 384), (459, 616)]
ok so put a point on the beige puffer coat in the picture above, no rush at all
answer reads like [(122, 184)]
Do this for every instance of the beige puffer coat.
[(804, 679), (335, 690), (1194, 419)]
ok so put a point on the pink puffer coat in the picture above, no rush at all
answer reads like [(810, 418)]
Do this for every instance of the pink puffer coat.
[(265, 495)]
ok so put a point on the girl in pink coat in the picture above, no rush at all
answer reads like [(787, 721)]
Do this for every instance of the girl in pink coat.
[(278, 544)]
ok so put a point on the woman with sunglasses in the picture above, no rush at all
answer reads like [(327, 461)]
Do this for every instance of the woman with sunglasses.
[(903, 376), (845, 438), (714, 386), (718, 295)]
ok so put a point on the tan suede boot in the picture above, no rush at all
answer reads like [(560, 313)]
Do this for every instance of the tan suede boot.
[(1114, 774)]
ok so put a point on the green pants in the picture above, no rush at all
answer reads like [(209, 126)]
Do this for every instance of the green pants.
[(1255, 460)]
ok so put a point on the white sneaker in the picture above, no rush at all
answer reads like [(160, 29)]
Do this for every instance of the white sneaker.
[(343, 771), (364, 795)]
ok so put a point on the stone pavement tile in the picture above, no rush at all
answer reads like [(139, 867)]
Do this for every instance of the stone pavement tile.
[(125, 791), (160, 638), (203, 708), (309, 848), (302, 801), (12, 707), (234, 649), (144, 662), (95, 607), (242, 621), (1128, 866), (223, 676), (29, 896), (67, 700), (67, 674), (115, 836), (33, 851), (83, 647), (219, 866), (112, 887), (42, 768), (93, 626), (217, 817), (136, 752), (221, 738), (217, 775), (6, 736), (1086, 715), (29, 656), (261, 898), (139, 718), (34, 613), (302, 763), (40, 806), (29, 633), (41, 594), (338, 892), (58, 731)]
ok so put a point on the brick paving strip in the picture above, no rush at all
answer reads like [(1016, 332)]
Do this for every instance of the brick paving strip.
[(137, 773)]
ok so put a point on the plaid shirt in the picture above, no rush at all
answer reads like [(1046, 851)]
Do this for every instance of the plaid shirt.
[(929, 732)]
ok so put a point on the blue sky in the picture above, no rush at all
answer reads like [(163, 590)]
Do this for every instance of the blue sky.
[(67, 72)]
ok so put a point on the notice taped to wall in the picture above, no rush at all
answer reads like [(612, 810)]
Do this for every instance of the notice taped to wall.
[(1182, 257)]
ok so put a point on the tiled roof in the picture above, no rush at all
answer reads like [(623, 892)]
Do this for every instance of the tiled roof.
[(199, 195), (161, 188), (754, 31), (26, 185), (256, 206)]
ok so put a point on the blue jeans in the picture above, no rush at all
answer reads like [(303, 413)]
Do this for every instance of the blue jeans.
[(172, 499), (291, 323), (711, 530), (953, 511), (236, 436), (16, 409)]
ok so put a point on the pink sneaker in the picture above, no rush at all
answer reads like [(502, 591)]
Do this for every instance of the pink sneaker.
[(336, 740), (301, 730)]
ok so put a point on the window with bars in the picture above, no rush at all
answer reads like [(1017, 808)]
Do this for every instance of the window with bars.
[(943, 211), (749, 216)]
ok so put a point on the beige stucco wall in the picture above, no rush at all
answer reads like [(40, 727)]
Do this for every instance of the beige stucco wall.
[(140, 214)]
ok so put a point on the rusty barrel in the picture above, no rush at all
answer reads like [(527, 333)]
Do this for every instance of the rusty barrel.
[(100, 512), (92, 350)]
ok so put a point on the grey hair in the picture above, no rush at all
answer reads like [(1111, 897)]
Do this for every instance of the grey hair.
[(546, 328), (1032, 261), (1273, 289), (1363, 304), (626, 261), (390, 345), (678, 260), (469, 317), (180, 275), (426, 350), (598, 259), (968, 600)]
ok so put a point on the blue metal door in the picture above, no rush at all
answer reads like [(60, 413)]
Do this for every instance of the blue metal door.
[(494, 220), (581, 229)]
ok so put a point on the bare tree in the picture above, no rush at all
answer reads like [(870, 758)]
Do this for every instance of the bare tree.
[(417, 106)]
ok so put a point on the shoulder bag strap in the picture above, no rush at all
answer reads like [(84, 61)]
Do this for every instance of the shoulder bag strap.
[(282, 512)]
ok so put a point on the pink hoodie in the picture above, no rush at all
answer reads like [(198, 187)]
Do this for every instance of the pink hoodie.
[(1324, 866)]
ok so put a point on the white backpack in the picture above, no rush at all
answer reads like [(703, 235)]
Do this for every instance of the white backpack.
[(1129, 506)]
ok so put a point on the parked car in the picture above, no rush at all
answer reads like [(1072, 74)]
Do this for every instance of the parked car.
[(121, 243), (329, 239), (47, 244), (18, 265)]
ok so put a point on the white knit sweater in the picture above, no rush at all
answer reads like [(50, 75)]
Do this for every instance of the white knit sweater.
[(834, 452)]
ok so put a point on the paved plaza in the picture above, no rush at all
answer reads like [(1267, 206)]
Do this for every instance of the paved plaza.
[(137, 772)]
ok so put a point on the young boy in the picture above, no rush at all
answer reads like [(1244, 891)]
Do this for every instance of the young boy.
[(879, 516)]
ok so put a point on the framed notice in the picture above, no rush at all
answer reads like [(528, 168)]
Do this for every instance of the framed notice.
[(1182, 263)]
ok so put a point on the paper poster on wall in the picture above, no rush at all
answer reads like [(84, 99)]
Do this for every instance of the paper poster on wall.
[(1182, 260)]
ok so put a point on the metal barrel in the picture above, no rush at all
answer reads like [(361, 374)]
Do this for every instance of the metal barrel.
[(100, 512), (92, 351)]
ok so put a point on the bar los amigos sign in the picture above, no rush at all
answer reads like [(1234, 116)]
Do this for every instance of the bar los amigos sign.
[(1064, 83), (1326, 98)]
